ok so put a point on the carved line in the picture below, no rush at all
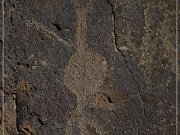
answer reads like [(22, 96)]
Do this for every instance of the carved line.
[(49, 33)]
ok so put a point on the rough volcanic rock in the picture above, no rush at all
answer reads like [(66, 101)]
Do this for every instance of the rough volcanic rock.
[(90, 67)]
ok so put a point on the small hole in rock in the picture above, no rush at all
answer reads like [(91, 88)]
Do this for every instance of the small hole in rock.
[(57, 26), (18, 63), (27, 65), (109, 99)]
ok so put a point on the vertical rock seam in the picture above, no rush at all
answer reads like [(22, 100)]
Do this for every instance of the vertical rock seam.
[(121, 53)]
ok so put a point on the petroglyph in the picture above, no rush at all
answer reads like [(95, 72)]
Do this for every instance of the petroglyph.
[(109, 100), (49, 33), (84, 75)]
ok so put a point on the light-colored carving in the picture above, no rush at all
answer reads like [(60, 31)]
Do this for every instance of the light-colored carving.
[(84, 75)]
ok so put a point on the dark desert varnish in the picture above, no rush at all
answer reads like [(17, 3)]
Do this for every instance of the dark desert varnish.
[(48, 2)]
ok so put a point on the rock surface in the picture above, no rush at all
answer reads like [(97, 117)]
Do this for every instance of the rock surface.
[(90, 67)]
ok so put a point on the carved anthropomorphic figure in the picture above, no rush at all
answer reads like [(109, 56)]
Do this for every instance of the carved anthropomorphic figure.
[(84, 75)]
